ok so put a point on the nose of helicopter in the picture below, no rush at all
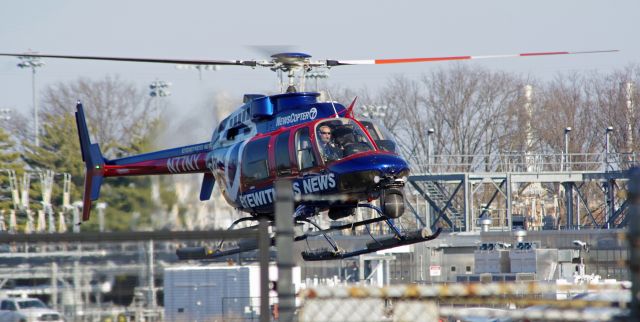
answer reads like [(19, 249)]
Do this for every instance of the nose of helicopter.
[(390, 165), (386, 165)]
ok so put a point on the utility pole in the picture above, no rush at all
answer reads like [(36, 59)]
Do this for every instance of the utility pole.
[(33, 63)]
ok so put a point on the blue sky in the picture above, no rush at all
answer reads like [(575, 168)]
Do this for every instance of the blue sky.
[(325, 29)]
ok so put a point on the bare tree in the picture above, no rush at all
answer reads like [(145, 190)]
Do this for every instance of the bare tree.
[(567, 101), (118, 112), (611, 107), (405, 117), (472, 111)]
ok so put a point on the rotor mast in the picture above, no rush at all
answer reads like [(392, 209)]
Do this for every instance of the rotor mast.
[(292, 63)]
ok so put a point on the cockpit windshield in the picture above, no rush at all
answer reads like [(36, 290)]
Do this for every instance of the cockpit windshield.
[(381, 135), (339, 138)]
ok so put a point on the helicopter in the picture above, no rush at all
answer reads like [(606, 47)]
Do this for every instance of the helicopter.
[(336, 162)]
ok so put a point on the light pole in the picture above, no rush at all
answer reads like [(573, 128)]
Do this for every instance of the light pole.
[(374, 111), (566, 147), (159, 89), (33, 63), (430, 131), (5, 114), (199, 68), (316, 75), (607, 133)]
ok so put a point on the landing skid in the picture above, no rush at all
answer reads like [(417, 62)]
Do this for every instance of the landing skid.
[(409, 238), (396, 239)]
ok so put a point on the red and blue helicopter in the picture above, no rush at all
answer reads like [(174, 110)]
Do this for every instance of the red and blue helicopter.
[(336, 162)]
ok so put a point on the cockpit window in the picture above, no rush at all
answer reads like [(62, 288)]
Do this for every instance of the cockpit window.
[(381, 135), (339, 138)]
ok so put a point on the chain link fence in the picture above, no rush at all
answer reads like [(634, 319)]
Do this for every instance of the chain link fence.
[(531, 301)]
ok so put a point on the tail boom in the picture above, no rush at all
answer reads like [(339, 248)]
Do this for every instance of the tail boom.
[(161, 162), (187, 159)]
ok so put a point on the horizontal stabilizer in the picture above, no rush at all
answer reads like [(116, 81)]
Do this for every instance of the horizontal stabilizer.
[(208, 181)]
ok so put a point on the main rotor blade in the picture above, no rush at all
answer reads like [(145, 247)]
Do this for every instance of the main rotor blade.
[(250, 63), (434, 59)]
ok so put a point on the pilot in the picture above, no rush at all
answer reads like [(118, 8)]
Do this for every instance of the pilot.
[(328, 149)]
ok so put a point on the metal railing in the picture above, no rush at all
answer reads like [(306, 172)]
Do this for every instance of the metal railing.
[(524, 162)]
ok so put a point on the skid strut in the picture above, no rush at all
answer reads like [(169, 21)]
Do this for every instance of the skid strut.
[(201, 252)]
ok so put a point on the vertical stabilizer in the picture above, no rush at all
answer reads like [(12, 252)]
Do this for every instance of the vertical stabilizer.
[(93, 160)]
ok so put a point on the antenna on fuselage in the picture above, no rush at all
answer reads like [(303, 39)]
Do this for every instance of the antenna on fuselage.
[(332, 103)]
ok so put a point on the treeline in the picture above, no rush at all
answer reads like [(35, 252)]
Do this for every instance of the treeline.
[(121, 118)]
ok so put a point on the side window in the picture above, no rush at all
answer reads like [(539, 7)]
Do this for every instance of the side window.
[(8, 306), (254, 161), (283, 164), (304, 150)]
